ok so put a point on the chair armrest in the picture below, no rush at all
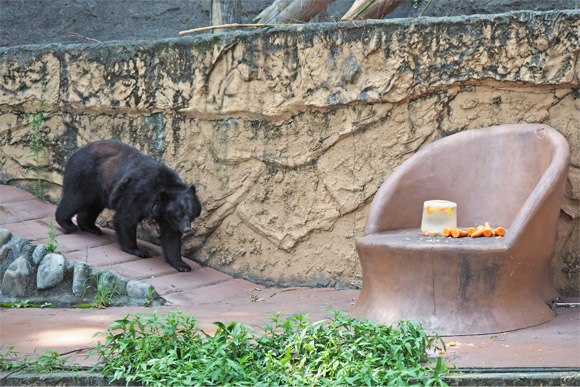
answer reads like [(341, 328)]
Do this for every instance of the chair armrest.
[(539, 214)]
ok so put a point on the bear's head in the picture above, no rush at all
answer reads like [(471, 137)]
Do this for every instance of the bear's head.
[(179, 208)]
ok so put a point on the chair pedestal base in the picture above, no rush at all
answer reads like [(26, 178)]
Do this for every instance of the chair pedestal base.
[(486, 289)]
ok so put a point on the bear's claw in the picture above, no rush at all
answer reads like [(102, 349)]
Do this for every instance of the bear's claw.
[(181, 266)]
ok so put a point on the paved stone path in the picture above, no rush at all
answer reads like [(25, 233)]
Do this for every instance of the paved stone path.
[(30, 218), (213, 296)]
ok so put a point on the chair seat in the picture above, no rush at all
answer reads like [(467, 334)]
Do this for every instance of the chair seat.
[(412, 239)]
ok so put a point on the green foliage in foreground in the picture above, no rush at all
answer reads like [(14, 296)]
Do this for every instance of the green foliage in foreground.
[(170, 350), (49, 361)]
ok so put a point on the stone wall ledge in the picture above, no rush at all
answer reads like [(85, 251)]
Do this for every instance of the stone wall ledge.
[(227, 75)]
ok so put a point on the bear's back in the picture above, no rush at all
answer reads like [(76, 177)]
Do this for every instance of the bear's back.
[(114, 159)]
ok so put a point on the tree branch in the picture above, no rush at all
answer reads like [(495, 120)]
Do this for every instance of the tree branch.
[(371, 9), (291, 11)]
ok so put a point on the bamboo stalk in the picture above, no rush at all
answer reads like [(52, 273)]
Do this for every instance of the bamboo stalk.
[(362, 9), (234, 25), (424, 9)]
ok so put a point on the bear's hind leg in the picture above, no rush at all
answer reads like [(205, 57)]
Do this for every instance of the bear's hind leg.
[(127, 236), (87, 217), (64, 213)]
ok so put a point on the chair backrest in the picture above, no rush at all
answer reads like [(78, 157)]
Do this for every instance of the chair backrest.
[(488, 172)]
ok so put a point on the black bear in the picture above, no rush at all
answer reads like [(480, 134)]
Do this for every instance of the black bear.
[(110, 174)]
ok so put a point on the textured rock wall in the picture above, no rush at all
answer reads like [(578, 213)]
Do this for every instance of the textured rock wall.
[(289, 132)]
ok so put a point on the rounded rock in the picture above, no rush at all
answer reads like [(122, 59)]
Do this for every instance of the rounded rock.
[(4, 252), (5, 236), (80, 276), (16, 278), (50, 272), (139, 290), (17, 245), (38, 253)]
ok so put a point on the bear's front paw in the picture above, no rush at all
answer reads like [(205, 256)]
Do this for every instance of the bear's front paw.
[(181, 266)]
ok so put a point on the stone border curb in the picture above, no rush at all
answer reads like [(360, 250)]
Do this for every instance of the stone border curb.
[(468, 377), (29, 272)]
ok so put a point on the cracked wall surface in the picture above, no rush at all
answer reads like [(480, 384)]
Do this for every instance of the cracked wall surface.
[(288, 132)]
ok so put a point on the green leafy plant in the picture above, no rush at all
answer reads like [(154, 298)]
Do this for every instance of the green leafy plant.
[(105, 288), (22, 304), (151, 296), (171, 350), (48, 362), (416, 4), (7, 357), (52, 234), (37, 145)]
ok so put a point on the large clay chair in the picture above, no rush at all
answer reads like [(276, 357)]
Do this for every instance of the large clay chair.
[(512, 176)]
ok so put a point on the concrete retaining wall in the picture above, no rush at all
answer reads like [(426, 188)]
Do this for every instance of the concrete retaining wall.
[(288, 132)]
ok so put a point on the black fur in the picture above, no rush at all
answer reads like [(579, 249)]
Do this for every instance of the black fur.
[(110, 174)]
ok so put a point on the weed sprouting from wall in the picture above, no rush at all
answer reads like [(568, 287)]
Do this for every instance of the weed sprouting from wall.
[(37, 145)]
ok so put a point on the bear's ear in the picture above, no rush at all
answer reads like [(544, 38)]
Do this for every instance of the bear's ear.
[(192, 188)]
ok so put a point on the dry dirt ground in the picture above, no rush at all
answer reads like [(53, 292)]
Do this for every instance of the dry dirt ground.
[(82, 21)]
